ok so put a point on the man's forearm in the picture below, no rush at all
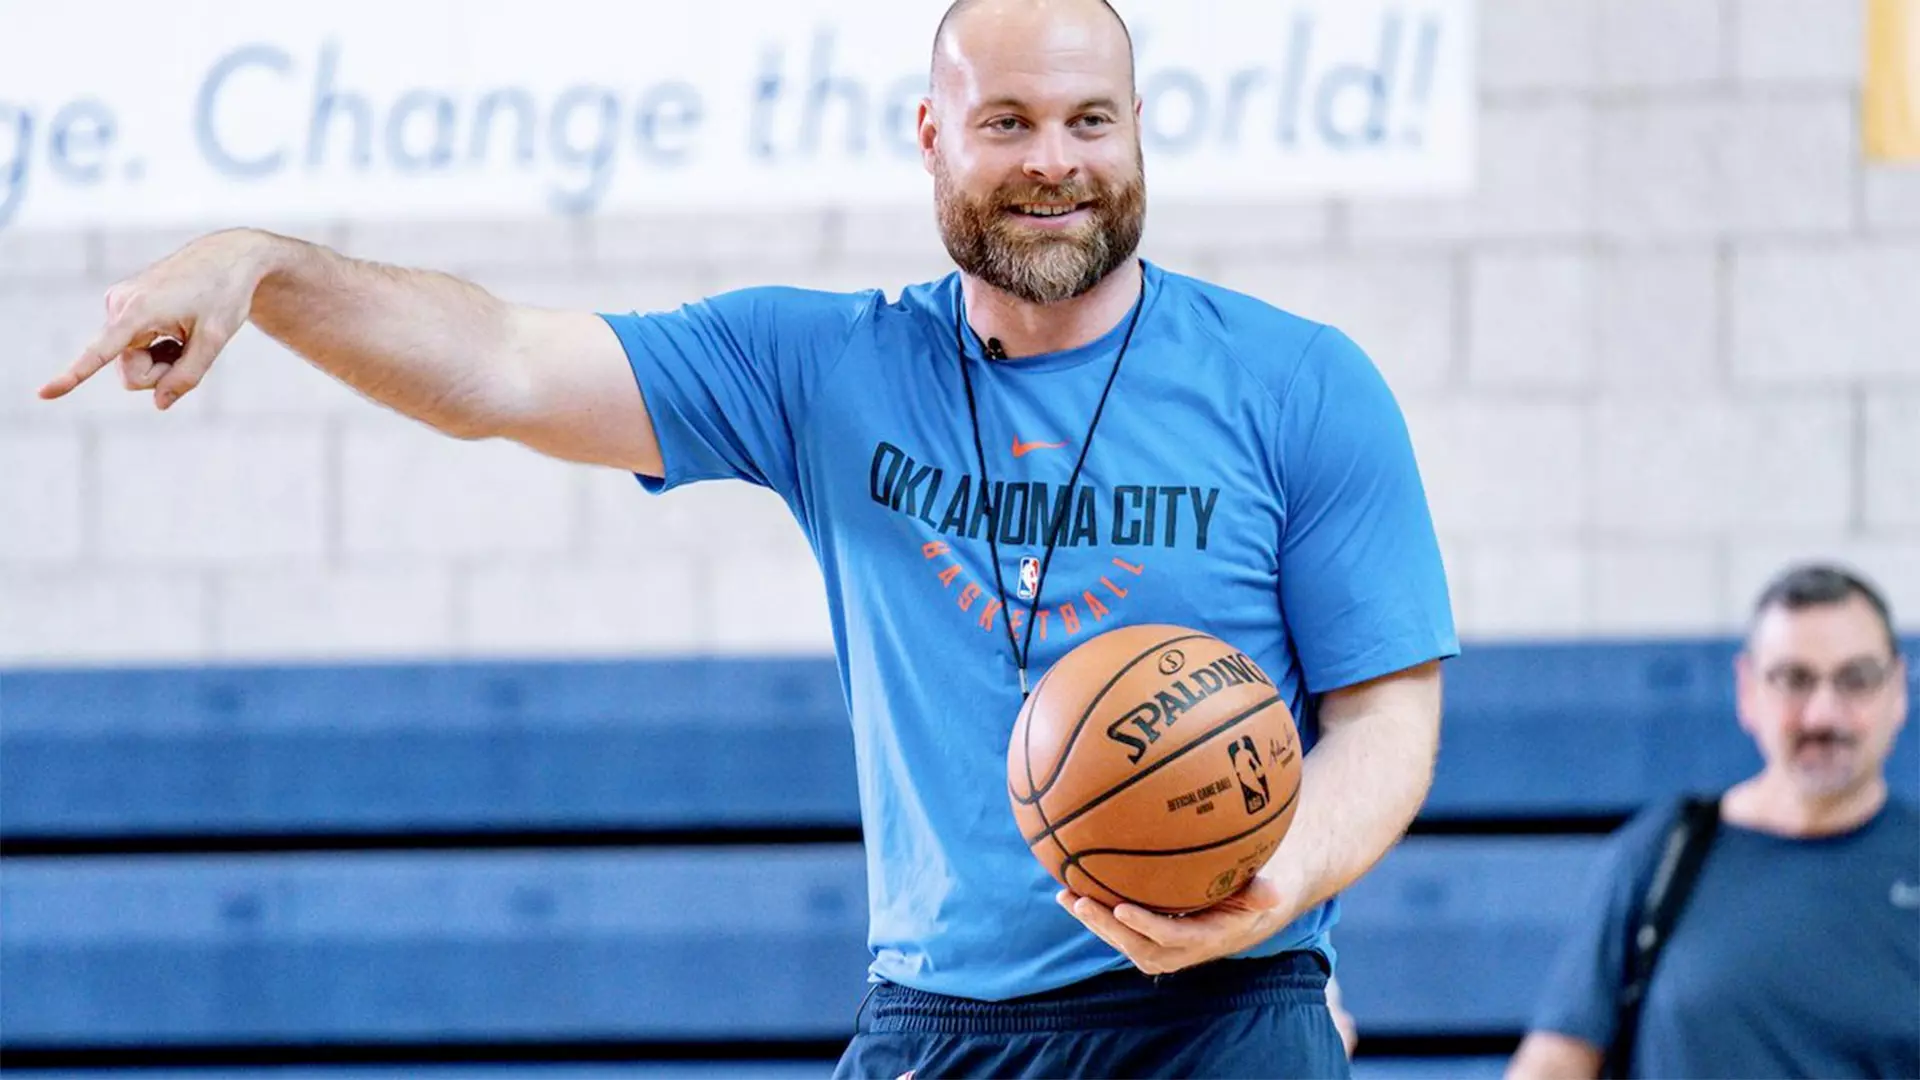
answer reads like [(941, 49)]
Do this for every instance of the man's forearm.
[(426, 344), (1360, 788)]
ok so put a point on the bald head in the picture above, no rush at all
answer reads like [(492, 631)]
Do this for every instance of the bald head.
[(955, 40), (1031, 132)]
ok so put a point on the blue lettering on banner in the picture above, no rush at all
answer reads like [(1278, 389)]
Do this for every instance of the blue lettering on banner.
[(1182, 94), (822, 90), (595, 152), (901, 130), (1373, 83), (207, 136), (766, 96), (330, 106), (1420, 83), (525, 114), (434, 113), (858, 116), (305, 112), (1347, 106), (81, 133), (19, 151), (1294, 81), (79, 144), (578, 133), (664, 124)]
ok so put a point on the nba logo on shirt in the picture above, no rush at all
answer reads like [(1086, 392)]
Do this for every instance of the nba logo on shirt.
[(1029, 577)]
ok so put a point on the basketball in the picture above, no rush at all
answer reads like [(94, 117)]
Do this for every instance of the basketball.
[(1155, 765)]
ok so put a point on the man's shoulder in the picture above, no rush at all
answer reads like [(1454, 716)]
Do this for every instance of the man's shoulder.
[(1636, 841), (820, 323), (1254, 327), (783, 301), (1273, 345)]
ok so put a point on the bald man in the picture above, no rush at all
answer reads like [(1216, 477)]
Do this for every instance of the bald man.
[(1054, 441)]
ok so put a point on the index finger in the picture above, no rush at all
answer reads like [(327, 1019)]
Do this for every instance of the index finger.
[(1098, 918), (113, 341)]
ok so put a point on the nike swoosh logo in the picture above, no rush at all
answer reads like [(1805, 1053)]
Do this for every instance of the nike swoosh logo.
[(1022, 449)]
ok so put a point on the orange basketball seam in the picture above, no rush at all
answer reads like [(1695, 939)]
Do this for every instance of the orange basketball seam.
[(1067, 749), (1074, 735), (1026, 756), (1073, 863), (1292, 796), (1196, 743), (1026, 739)]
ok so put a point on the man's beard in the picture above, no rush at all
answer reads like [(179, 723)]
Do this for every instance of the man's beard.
[(1041, 267)]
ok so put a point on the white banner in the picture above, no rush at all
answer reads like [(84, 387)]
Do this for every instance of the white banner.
[(120, 112)]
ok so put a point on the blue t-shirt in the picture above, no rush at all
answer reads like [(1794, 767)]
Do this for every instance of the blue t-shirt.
[(1793, 957), (1251, 477)]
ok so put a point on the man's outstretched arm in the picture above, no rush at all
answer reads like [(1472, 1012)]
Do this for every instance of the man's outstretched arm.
[(438, 349)]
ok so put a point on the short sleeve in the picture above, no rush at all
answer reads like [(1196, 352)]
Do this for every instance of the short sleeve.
[(1581, 995), (727, 381), (1362, 586)]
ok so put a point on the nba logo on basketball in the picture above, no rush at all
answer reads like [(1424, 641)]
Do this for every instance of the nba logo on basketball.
[(1250, 772), (1029, 577)]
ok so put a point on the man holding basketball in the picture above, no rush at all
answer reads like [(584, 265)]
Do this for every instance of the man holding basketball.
[(1179, 454)]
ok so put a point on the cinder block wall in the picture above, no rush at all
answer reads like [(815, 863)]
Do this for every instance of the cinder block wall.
[(1672, 341)]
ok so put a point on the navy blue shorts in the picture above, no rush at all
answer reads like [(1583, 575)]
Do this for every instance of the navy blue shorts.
[(1231, 1018)]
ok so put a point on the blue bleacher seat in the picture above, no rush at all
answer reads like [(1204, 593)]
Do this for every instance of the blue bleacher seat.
[(507, 1071), (1600, 728), (1365, 1068), (665, 944), (1447, 937), (1429, 1068), (1453, 935), (1593, 728), (669, 744), (763, 943)]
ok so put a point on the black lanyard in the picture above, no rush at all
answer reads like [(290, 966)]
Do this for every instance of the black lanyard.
[(1024, 649)]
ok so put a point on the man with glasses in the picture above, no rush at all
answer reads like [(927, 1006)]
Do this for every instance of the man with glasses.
[(1797, 949)]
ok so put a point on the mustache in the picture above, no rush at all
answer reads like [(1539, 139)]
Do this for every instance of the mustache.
[(1825, 739), (1074, 194)]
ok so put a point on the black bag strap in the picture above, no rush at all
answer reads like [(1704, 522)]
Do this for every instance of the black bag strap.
[(1685, 851)]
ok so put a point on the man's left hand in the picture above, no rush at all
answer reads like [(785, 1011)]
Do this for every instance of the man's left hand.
[(1158, 944)]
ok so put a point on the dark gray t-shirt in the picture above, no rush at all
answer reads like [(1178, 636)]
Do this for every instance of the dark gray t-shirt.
[(1795, 957)]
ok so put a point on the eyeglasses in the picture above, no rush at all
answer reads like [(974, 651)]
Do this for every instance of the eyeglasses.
[(1853, 682)]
